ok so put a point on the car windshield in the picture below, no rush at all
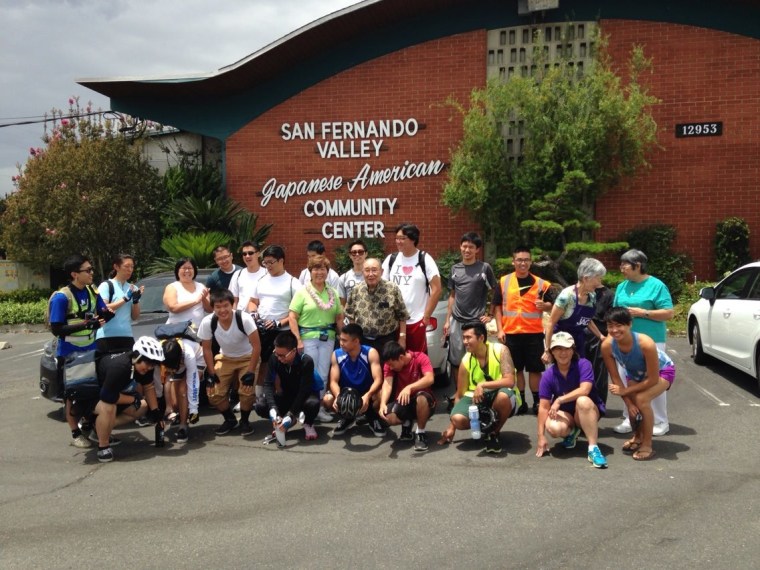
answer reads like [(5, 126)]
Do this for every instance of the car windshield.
[(152, 300)]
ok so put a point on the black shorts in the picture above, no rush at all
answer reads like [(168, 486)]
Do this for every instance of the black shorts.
[(409, 412), (527, 350)]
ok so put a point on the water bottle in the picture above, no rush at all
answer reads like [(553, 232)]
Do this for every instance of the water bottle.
[(159, 435), (474, 421)]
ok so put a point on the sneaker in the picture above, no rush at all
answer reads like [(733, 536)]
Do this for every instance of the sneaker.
[(522, 409), (246, 428), (310, 432), (105, 455), (226, 427), (181, 435), (143, 421), (569, 441), (596, 458), (420, 442), (661, 429), (534, 409), (112, 441), (81, 442), (623, 427), (323, 416), (362, 420), (193, 418), (342, 427), (377, 428), (406, 433), (493, 443)]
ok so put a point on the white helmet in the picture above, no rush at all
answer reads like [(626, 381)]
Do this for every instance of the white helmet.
[(149, 348)]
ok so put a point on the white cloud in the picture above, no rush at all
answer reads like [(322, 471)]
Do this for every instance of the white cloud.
[(48, 44)]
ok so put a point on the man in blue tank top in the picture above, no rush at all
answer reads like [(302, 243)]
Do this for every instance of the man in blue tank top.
[(355, 373)]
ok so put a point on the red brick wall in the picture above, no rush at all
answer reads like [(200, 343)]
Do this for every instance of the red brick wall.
[(411, 83), (699, 74)]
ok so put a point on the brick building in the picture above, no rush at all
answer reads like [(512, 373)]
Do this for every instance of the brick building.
[(340, 128)]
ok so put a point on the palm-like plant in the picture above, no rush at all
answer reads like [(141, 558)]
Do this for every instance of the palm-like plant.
[(198, 245)]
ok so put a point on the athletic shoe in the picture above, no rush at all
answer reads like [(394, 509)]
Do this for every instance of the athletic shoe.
[(323, 416), (112, 441), (226, 427), (534, 409), (661, 429), (342, 427), (569, 441), (406, 433), (182, 435), (420, 442), (143, 421), (493, 443), (377, 428), (310, 432), (362, 420), (522, 409), (105, 455), (596, 458), (81, 442), (193, 418), (245, 427), (624, 426)]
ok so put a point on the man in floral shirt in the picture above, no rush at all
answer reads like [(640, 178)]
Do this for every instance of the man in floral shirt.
[(378, 307)]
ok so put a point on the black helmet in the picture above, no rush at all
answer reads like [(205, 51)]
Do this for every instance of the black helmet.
[(488, 419), (172, 353), (349, 403)]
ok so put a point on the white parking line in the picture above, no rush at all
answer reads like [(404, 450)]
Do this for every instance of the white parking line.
[(704, 391), (22, 355)]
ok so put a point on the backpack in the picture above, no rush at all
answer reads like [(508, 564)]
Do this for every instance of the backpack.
[(184, 329), (215, 348), (69, 293), (420, 262)]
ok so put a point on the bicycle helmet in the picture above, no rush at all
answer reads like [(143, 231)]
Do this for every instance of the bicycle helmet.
[(349, 403), (488, 419), (172, 353), (149, 348)]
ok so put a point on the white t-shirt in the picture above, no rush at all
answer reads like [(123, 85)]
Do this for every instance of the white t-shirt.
[(348, 281), (332, 278), (192, 356), (243, 284), (274, 295), (407, 274), (232, 342), (194, 313)]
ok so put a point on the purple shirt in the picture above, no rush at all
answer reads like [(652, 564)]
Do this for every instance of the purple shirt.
[(553, 384)]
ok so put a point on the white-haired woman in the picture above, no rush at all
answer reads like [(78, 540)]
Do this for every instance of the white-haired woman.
[(574, 308)]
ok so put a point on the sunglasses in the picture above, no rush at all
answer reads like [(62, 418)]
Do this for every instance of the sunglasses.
[(357, 252), (246, 253), (88, 270)]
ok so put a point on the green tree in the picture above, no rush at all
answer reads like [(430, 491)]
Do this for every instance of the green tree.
[(585, 134), (88, 190)]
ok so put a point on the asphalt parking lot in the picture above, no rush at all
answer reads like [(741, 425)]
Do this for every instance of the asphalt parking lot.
[(361, 501)]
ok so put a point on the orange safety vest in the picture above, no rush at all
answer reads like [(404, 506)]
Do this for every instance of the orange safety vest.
[(519, 313)]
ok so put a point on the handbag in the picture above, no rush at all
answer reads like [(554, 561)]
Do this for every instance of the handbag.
[(80, 378)]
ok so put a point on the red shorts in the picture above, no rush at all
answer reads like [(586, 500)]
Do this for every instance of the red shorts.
[(416, 337)]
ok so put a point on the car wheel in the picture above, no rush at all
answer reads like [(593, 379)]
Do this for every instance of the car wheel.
[(697, 353)]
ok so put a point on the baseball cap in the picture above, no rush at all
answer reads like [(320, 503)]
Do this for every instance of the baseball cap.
[(562, 338)]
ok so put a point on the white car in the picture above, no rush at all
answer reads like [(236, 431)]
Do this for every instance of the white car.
[(725, 322)]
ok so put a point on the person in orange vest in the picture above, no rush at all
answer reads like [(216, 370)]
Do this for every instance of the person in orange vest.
[(519, 303)]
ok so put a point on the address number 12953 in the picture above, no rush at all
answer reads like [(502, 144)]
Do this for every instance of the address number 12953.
[(711, 129)]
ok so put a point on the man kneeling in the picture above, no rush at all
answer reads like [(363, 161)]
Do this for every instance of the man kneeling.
[(408, 377), (117, 407), (486, 378)]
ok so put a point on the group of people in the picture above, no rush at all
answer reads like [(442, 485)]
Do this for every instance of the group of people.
[(354, 345)]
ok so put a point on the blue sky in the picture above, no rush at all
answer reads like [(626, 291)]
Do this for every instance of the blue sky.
[(47, 44)]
